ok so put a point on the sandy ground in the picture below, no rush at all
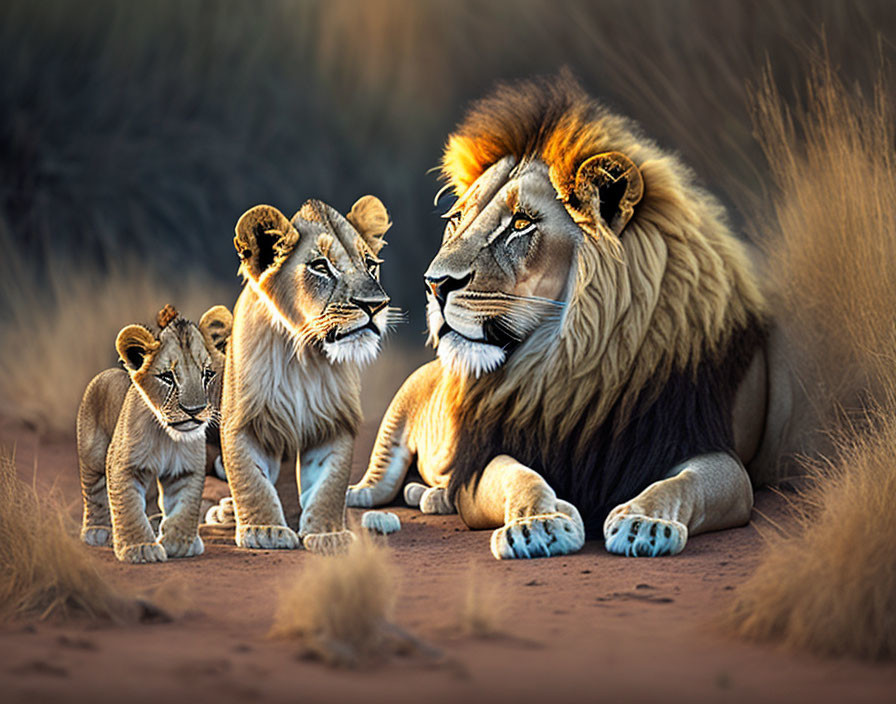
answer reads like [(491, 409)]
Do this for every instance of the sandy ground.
[(589, 627)]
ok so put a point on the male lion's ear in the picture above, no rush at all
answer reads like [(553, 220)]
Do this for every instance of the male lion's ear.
[(611, 185), (215, 325), (369, 217), (135, 345), (263, 234)]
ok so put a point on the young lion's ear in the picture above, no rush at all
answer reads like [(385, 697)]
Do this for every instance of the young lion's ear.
[(215, 325), (263, 234), (135, 345), (370, 218), (609, 185)]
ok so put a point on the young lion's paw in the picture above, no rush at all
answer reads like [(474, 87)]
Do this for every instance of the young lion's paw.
[(381, 522), (335, 543), (435, 500), (359, 497), (545, 535), (182, 546), (636, 535), (97, 536), (267, 538), (142, 553), (222, 513)]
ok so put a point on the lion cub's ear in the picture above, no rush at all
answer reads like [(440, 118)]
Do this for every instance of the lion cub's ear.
[(610, 185), (370, 218), (135, 345), (215, 325), (263, 234)]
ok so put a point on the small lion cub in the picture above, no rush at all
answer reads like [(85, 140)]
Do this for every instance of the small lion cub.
[(146, 423)]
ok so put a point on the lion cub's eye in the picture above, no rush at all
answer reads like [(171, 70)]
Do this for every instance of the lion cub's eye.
[(207, 375), (166, 378), (320, 266)]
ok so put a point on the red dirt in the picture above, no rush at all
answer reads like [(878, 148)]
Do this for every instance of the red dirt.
[(590, 626)]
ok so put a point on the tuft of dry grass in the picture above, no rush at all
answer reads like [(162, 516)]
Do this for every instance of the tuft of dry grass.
[(830, 585), (45, 571), (340, 608), (482, 608)]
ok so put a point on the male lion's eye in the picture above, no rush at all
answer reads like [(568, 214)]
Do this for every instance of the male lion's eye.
[(373, 265), (320, 266), (520, 225), (207, 375), (521, 222), (166, 378)]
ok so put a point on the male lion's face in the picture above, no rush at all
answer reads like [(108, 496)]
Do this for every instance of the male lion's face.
[(319, 276), (504, 268)]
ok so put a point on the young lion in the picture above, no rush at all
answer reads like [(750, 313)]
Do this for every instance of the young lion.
[(311, 313), (149, 422)]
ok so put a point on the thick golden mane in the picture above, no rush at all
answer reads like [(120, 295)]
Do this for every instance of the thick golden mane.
[(665, 295)]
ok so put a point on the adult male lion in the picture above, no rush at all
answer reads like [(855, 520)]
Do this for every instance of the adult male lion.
[(600, 338)]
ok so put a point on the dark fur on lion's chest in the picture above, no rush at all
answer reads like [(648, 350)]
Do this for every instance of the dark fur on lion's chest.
[(690, 415)]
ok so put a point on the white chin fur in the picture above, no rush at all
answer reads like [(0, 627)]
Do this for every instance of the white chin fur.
[(465, 357), (359, 348), (187, 435)]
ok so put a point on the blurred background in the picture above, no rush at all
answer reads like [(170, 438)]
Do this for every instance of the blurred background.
[(133, 135)]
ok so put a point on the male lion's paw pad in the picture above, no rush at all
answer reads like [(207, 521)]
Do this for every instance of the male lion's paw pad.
[(97, 536), (335, 543), (141, 553), (267, 538), (641, 536), (221, 513), (183, 547), (544, 535), (359, 497), (413, 492), (381, 522), (435, 500)]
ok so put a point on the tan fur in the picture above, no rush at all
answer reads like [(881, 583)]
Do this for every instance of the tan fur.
[(308, 285), (639, 305), (128, 435)]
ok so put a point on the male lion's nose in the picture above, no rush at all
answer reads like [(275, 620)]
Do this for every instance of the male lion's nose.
[(441, 286)]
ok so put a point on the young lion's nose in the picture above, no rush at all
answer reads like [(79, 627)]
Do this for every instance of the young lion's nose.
[(191, 410), (370, 306)]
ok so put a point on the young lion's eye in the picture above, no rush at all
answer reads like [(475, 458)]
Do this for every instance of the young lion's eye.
[(373, 265), (320, 266), (166, 378), (207, 375)]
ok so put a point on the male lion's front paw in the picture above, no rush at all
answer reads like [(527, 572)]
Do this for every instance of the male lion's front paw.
[(188, 546), (141, 553), (97, 536), (267, 538), (636, 535), (545, 535), (335, 543), (359, 497)]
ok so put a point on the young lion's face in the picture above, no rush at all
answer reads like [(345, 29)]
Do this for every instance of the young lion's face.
[(174, 370), (319, 276)]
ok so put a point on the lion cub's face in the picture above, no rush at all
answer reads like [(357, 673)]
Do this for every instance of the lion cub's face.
[(318, 274), (504, 268), (174, 369)]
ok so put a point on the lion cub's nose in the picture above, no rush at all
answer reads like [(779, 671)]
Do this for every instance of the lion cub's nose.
[(191, 410), (370, 306)]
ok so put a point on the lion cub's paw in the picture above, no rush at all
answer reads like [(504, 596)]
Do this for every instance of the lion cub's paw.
[(141, 553), (335, 543), (545, 535), (222, 513), (435, 500), (359, 497), (381, 522), (267, 538), (97, 536), (636, 535), (182, 546), (413, 492)]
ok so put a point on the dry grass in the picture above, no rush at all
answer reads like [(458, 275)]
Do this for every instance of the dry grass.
[(340, 608), (830, 585), (482, 607), (45, 572)]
